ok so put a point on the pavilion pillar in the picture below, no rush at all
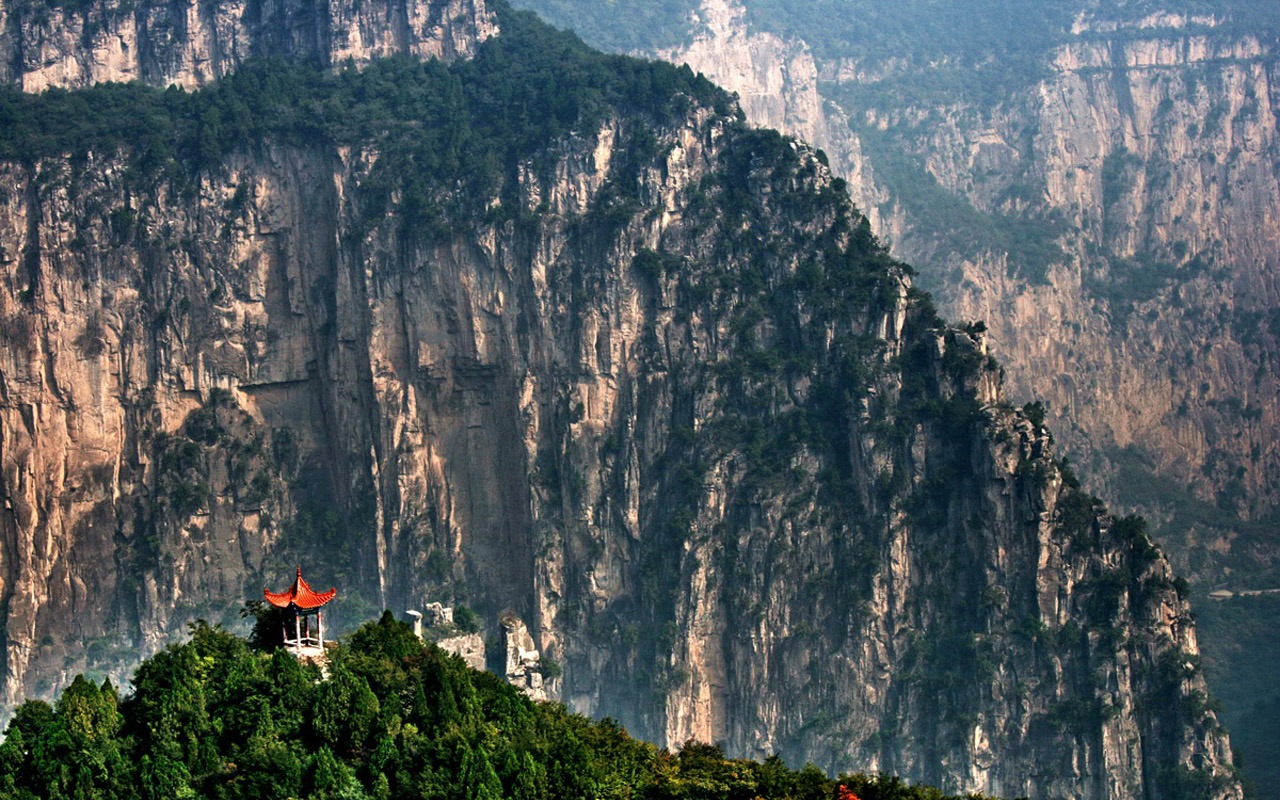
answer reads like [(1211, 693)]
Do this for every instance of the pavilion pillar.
[(297, 627)]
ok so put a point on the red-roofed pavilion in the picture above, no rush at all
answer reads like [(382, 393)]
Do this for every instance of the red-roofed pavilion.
[(306, 603)]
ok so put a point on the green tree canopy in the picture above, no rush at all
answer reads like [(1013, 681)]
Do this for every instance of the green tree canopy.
[(390, 716)]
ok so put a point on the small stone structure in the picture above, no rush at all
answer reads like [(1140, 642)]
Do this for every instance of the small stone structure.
[(441, 631), (438, 615), (523, 661)]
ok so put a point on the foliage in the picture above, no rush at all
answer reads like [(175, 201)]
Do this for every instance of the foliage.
[(269, 624), (1035, 413), (467, 620), (393, 717), (448, 137)]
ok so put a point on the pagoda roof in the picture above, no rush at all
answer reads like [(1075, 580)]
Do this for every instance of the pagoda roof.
[(300, 595)]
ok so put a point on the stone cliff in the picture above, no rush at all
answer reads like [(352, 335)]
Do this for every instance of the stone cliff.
[(1155, 157), (1102, 196), (189, 43), (776, 81), (661, 395)]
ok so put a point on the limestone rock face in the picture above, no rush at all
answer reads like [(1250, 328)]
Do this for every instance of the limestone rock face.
[(522, 662), (680, 417), (190, 43), (468, 646), (1152, 333), (776, 81)]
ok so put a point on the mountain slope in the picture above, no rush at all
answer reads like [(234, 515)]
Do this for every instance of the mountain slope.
[(1095, 187), (1096, 182), (554, 333)]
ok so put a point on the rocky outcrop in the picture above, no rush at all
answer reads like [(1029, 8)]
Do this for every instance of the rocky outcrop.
[(467, 646), (444, 633), (189, 43), (522, 663), (1132, 267), (664, 399)]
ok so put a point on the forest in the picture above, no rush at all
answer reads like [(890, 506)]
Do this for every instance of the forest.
[(449, 136), (388, 716)]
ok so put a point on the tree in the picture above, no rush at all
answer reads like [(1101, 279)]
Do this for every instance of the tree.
[(476, 776), (78, 754), (345, 711), (269, 624)]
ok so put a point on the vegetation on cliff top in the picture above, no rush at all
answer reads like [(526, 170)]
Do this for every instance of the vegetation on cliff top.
[(446, 138), (394, 718)]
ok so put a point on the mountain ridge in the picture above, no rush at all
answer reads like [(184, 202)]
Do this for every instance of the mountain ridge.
[(1097, 191)]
